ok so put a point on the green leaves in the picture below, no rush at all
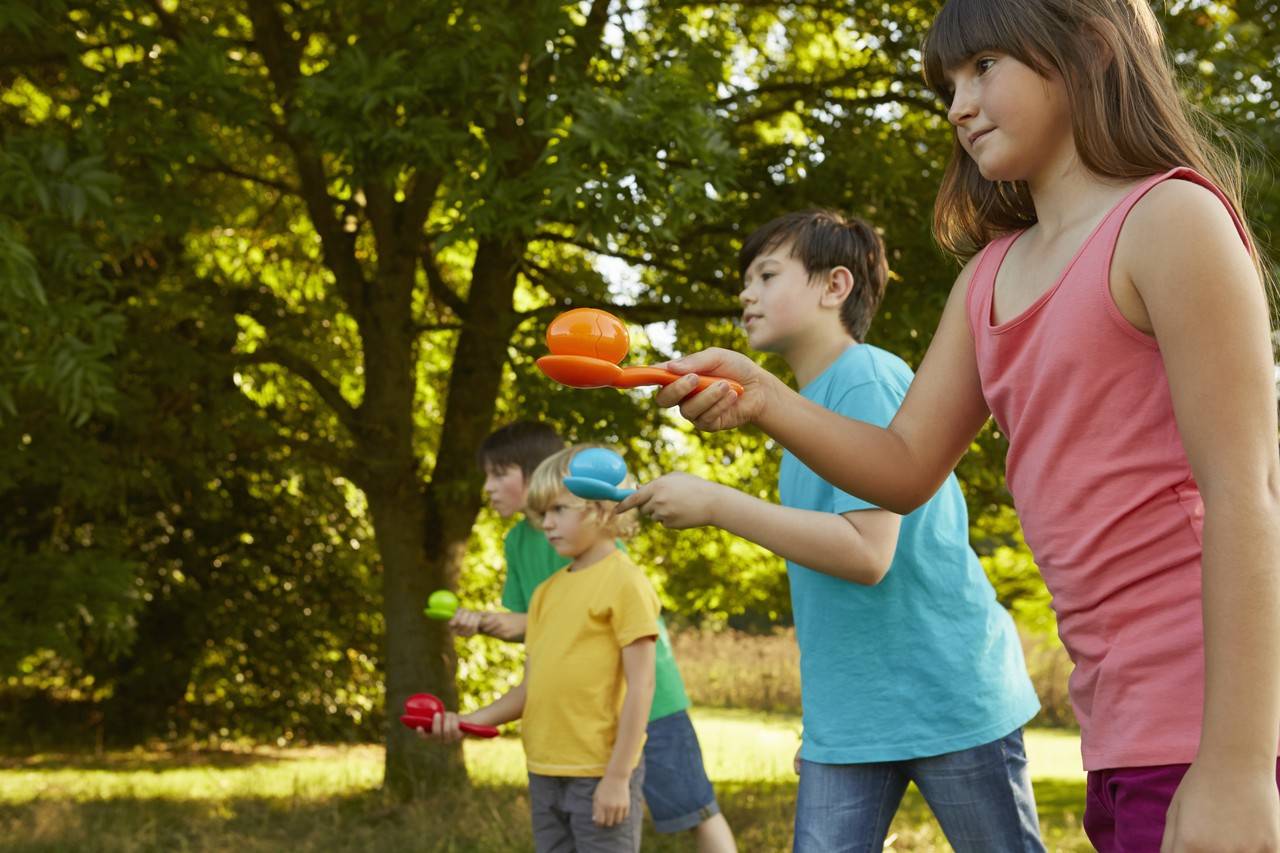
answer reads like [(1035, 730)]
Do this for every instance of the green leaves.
[(57, 329)]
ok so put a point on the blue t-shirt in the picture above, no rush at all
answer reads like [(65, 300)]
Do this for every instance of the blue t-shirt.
[(927, 661)]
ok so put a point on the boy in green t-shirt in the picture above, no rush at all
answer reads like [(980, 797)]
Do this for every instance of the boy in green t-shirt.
[(676, 787)]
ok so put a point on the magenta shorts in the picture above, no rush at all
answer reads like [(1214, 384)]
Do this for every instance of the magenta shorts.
[(1125, 807)]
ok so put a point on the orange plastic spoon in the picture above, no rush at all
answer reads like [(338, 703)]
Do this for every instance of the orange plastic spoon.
[(582, 371), (586, 345)]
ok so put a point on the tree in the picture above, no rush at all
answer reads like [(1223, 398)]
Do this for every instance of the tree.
[(377, 206)]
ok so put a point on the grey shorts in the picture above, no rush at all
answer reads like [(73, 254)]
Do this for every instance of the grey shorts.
[(676, 786), (561, 807)]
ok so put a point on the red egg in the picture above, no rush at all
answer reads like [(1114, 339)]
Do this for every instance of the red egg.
[(590, 332)]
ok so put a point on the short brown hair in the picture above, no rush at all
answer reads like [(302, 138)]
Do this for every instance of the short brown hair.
[(547, 483), (822, 240), (523, 444)]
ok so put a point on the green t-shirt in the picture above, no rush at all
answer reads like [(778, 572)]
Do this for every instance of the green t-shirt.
[(531, 560)]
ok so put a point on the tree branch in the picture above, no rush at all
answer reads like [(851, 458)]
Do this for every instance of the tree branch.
[(643, 312), (309, 373), (438, 287), (220, 168), (281, 56), (638, 260)]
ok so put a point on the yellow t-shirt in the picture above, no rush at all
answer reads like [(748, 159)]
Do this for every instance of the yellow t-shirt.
[(578, 624)]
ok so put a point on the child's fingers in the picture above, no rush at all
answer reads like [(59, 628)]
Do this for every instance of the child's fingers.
[(636, 500), (465, 623), (445, 728), (707, 414), (672, 394)]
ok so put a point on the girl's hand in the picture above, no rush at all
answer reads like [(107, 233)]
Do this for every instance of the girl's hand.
[(466, 623), (611, 803), (444, 728), (718, 407), (1224, 810), (675, 500)]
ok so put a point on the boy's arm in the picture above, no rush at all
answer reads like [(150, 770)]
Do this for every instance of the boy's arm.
[(857, 546), (493, 623), (612, 798), (898, 468), (507, 707)]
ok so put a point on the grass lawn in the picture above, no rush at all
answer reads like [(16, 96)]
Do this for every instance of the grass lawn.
[(326, 798)]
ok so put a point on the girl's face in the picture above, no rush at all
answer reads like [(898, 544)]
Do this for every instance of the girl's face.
[(505, 488), (778, 301), (570, 528), (1014, 123)]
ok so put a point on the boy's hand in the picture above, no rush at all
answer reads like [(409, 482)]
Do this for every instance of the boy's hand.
[(504, 626), (611, 802), (676, 500), (466, 623), (717, 407), (444, 728)]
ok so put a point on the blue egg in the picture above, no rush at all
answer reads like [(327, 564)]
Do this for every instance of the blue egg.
[(598, 463)]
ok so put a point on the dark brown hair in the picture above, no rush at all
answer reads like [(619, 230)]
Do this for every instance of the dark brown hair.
[(523, 443), (1129, 119), (822, 240)]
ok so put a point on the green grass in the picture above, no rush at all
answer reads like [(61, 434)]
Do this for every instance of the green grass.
[(326, 798)]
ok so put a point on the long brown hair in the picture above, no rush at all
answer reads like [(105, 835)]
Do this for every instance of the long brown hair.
[(1129, 119)]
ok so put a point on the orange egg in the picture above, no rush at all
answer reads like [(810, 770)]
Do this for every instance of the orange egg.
[(590, 332)]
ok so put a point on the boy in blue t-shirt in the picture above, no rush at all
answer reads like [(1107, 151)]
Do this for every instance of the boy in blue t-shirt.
[(676, 787), (910, 669)]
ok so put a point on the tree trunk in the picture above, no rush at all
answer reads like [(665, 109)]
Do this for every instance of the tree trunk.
[(418, 652), (423, 535)]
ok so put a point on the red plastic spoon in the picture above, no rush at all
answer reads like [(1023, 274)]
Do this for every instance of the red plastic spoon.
[(421, 708), (583, 371)]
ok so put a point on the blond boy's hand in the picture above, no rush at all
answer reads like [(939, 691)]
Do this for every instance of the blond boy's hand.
[(675, 500), (466, 623), (718, 407), (444, 728), (611, 802)]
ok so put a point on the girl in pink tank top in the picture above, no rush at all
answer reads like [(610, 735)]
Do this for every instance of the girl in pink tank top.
[(1112, 318)]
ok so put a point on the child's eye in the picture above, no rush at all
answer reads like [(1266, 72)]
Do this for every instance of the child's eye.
[(765, 276), (984, 64)]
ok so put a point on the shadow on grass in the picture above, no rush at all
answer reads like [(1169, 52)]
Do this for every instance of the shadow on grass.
[(159, 758), (490, 817)]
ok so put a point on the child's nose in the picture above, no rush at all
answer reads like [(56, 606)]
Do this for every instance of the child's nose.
[(962, 107)]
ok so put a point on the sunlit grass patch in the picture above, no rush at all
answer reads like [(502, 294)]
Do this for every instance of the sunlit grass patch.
[(327, 798)]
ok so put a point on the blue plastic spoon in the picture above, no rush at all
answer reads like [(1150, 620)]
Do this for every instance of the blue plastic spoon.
[(591, 489)]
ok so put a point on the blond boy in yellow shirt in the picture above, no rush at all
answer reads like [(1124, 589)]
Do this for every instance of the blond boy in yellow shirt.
[(589, 676)]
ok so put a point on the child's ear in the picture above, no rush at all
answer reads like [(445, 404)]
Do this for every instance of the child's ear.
[(837, 287)]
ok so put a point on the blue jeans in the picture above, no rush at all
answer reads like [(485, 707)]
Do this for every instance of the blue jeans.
[(981, 797)]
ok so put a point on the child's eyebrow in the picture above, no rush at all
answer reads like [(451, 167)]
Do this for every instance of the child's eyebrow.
[(759, 263)]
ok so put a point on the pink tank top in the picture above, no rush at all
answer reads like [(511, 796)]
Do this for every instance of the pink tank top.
[(1102, 484)]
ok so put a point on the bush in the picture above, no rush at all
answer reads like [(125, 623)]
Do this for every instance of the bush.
[(761, 672)]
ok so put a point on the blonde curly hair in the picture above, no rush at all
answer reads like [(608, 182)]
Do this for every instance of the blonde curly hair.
[(547, 483)]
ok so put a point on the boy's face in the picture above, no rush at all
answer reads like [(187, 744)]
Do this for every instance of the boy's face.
[(779, 304), (505, 487), (569, 527)]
